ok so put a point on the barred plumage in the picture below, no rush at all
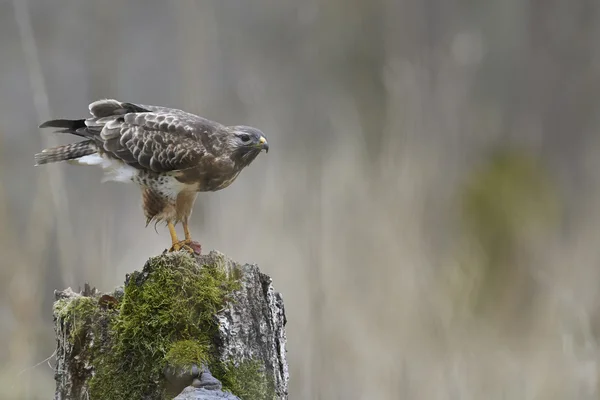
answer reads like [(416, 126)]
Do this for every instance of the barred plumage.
[(66, 152)]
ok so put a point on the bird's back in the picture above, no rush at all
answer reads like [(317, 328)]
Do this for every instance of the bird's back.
[(151, 138)]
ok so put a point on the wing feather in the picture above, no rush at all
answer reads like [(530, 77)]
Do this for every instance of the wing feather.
[(155, 138)]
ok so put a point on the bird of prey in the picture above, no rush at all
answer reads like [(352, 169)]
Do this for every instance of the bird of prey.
[(172, 155)]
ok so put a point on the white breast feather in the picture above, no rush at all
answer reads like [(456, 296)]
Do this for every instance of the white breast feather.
[(170, 187), (118, 171), (115, 170)]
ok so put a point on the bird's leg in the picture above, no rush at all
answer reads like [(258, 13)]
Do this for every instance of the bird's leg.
[(186, 231), (180, 244), (175, 246), (195, 246)]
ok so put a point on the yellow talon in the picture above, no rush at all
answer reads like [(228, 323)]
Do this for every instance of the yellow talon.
[(176, 244), (182, 245)]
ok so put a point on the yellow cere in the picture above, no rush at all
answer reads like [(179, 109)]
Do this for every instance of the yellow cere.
[(262, 140)]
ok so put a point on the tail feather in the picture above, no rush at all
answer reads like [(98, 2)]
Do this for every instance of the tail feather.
[(73, 126), (65, 152)]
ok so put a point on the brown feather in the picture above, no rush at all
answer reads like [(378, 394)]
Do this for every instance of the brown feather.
[(160, 208), (152, 204), (65, 152)]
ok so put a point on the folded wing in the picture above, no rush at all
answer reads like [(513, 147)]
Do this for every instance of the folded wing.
[(154, 138)]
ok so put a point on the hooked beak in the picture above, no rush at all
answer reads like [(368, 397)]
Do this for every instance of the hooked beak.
[(263, 144)]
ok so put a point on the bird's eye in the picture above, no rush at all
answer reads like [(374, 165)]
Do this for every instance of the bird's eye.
[(244, 137)]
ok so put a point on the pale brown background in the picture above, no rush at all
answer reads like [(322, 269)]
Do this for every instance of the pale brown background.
[(378, 113)]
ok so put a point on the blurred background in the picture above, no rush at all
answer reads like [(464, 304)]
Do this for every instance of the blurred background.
[(429, 208)]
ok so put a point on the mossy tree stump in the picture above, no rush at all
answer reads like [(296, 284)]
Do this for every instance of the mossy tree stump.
[(186, 327)]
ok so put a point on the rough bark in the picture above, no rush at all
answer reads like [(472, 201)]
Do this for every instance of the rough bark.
[(250, 325)]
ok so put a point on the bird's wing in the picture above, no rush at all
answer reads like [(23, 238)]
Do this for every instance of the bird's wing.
[(154, 138)]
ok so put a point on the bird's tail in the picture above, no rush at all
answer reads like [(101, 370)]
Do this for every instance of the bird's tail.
[(65, 152), (74, 126)]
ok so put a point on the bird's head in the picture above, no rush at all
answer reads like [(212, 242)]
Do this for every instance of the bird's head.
[(247, 143)]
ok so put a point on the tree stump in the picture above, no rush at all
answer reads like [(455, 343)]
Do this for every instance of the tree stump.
[(184, 327)]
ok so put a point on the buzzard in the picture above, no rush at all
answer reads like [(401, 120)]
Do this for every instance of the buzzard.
[(170, 154)]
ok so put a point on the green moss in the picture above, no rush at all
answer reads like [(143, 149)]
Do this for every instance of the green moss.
[(83, 319), (186, 353), (247, 380), (166, 315), (79, 312)]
